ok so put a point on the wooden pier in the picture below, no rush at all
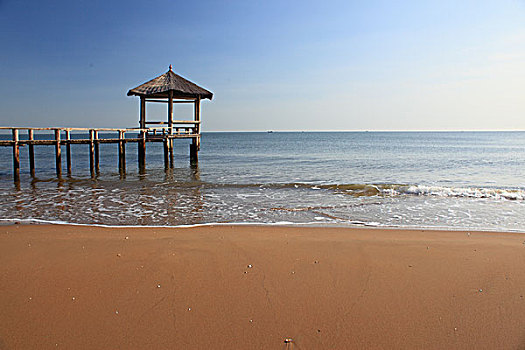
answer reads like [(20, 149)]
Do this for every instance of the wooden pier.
[(61, 137), (168, 88)]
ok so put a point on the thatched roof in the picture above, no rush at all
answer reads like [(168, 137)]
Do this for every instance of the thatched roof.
[(159, 87)]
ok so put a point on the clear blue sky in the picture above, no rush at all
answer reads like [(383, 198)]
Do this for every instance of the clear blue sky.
[(272, 65)]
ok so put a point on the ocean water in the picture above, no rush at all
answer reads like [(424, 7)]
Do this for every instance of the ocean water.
[(457, 180)]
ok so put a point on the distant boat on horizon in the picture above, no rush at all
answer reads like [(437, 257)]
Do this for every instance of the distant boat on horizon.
[(269, 131)]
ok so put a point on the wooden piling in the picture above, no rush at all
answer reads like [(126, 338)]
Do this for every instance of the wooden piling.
[(166, 152), (172, 150), (68, 152), (16, 157), (97, 155), (194, 151), (121, 152), (92, 152), (142, 151), (58, 153), (31, 148)]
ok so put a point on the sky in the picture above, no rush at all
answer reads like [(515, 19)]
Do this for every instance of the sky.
[(272, 65)]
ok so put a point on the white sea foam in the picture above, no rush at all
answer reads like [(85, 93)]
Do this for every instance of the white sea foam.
[(467, 192)]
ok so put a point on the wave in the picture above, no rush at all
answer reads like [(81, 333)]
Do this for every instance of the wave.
[(469, 192), (384, 190)]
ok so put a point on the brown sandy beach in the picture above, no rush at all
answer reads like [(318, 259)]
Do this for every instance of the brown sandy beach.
[(249, 287)]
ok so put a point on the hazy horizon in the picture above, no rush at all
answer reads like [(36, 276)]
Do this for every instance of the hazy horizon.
[(301, 66)]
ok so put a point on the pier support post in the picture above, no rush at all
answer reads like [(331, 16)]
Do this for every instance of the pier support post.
[(31, 148), (97, 154), (16, 157), (121, 153), (142, 152), (92, 152), (166, 151), (58, 153), (170, 146), (194, 151), (68, 152)]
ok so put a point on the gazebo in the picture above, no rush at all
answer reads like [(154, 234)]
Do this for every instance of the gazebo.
[(171, 88)]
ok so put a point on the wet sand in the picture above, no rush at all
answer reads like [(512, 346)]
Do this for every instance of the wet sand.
[(249, 287)]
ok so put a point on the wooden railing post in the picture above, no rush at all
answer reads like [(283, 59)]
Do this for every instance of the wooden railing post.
[(68, 152), (31, 148), (121, 152), (92, 152), (16, 156), (58, 153)]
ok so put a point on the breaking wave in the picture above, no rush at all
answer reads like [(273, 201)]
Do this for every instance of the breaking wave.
[(370, 190)]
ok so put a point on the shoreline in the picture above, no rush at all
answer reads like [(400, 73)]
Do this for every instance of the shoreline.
[(11, 222), (252, 286)]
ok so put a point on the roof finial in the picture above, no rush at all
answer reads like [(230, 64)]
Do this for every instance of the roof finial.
[(170, 67)]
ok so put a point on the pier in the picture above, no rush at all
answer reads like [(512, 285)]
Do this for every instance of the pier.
[(168, 88)]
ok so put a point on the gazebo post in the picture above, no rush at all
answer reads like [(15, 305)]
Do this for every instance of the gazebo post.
[(195, 143), (170, 125), (142, 142), (142, 120)]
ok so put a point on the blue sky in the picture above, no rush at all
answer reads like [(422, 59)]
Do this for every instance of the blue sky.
[(272, 65)]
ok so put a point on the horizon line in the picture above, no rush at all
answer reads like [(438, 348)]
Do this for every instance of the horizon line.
[(374, 130)]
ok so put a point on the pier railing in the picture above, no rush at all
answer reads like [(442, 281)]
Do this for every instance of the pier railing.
[(62, 137)]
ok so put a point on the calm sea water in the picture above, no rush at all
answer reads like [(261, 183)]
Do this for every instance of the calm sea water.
[(459, 180)]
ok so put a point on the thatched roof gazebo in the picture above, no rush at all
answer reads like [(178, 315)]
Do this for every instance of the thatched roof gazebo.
[(171, 88)]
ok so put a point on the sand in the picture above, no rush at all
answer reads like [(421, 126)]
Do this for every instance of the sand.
[(249, 287)]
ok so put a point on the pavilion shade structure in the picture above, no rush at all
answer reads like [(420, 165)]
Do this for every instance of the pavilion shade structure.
[(170, 88), (160, 87)]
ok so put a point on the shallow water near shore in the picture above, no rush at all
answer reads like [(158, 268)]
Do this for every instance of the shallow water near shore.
[(454, 180)]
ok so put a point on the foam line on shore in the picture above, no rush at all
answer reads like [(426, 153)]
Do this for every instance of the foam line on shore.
[(281, 223)]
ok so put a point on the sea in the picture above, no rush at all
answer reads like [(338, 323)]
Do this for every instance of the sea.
[(437, 180)]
